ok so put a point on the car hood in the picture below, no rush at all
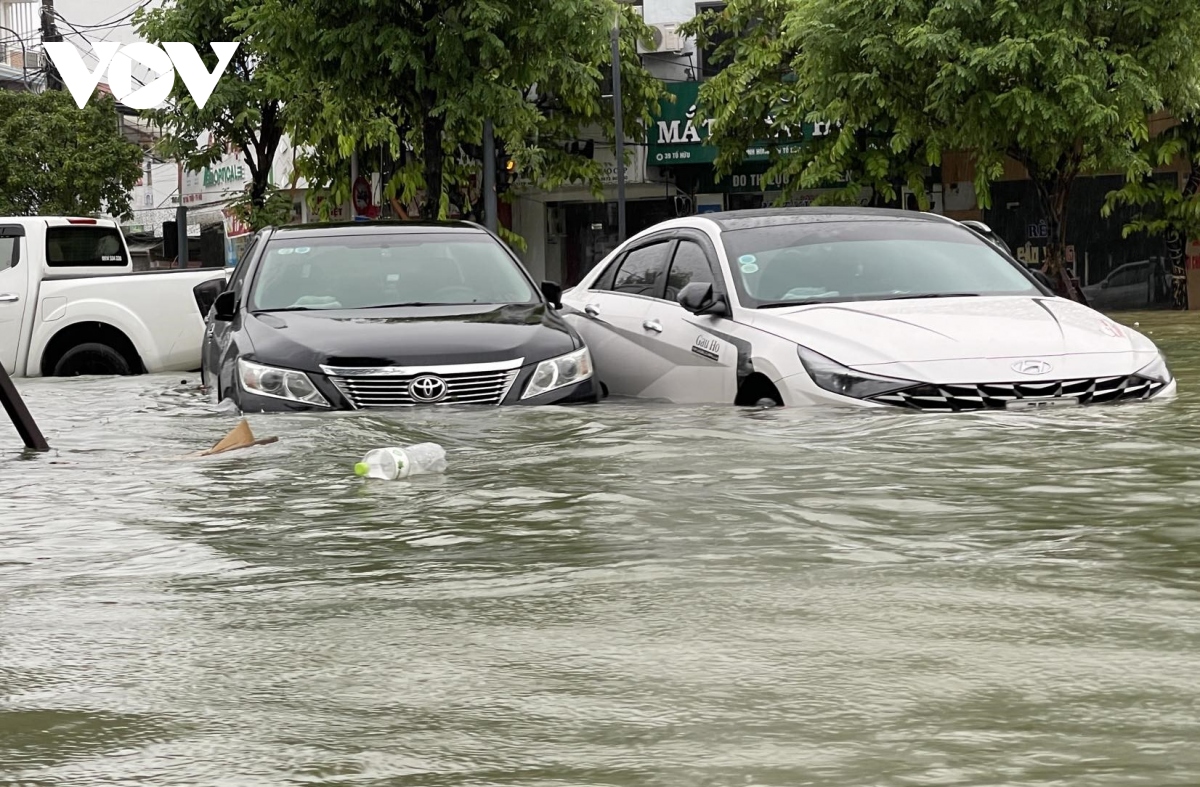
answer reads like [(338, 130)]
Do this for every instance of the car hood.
[(411, 336), (972, 338)]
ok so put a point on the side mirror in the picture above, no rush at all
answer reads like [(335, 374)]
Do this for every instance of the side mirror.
[(1104, 284), (225, 307), (698, 298), (1043, 278), (552, 293)]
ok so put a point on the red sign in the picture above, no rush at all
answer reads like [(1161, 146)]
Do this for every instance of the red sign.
[(361, 196)]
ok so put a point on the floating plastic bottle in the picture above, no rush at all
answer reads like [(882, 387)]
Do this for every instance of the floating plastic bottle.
[(390, 464)]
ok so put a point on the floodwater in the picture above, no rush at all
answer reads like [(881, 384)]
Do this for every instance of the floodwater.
[(626, 594)]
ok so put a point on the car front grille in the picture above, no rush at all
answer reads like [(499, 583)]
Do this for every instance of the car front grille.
[(998, 396), (369, 388)]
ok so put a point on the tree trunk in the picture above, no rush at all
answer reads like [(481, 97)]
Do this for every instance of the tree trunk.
[(1177, 246), (1053, 194), (431, 133)]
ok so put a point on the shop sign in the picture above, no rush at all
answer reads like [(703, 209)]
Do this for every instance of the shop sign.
[(675, 137)]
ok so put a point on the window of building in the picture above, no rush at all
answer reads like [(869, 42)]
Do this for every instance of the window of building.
[(710, 64)]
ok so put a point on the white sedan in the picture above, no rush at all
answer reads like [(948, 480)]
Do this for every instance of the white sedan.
[(853, 306)]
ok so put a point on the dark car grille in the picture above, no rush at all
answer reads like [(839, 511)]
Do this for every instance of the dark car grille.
[(996, 396), (366, 389)]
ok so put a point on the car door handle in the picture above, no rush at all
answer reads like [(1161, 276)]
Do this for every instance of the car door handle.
[(653, 325), (592, 309), (9, 297)]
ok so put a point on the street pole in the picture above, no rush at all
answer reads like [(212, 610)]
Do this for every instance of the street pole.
[(19, 413), (620, 130), (353, 180), (489, 177), (181, 233), (50, 33)]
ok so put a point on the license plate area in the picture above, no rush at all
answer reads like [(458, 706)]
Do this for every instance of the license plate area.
[(1041, 404)]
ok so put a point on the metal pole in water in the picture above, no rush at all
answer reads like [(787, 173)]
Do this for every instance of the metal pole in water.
[(19, 413)]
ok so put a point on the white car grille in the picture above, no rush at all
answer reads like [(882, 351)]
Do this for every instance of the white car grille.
[(999, 396), (369, 388)]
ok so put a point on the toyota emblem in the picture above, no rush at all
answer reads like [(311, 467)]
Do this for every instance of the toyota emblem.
[(1031, 367), (428, 389)]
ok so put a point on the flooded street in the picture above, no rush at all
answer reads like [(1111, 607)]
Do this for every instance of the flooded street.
[(625, 594)]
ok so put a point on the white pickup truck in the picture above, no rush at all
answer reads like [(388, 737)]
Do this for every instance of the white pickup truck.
[(71, 304)]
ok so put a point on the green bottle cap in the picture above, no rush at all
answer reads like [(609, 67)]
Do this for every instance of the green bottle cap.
[(362, 468)]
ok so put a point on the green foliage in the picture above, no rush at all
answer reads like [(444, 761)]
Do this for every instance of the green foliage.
[(420, 78), (1061, 86), (272, 209), (61, 160), (1165, 208), (243, 113)]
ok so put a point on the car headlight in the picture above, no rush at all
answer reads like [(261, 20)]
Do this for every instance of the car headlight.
[(839, 379), (279, 383), (1156, 370), (559, 372)]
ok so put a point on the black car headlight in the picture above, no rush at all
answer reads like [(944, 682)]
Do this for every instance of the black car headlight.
[(842, 380), (1156, 370), (559, 372), (275, 383)]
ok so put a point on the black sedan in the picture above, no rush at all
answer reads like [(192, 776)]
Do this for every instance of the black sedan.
[(381, 315)]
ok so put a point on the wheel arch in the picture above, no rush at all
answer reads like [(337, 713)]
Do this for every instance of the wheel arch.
[(85, 332)]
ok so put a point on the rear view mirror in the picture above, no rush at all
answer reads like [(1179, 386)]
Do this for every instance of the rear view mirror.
[(698, 298), (225, 307), (552, 293)]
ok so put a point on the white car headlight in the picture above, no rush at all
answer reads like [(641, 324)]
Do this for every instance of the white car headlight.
[(559, 372), (279, 383), (1156, 370), (839, 379)]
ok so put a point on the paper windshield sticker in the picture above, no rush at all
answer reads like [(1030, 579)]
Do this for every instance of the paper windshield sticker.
[(286, 251), (303, 250), (707, 347), (748, 263)]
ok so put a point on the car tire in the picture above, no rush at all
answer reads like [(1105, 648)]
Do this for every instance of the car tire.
[(92, 358), (758, 391)]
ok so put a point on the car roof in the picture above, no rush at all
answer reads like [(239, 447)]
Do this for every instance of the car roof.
[(773, 217), (379, 227)]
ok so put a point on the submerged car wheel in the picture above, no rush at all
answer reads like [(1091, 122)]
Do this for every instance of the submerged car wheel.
[(758, 391), (93, 358)]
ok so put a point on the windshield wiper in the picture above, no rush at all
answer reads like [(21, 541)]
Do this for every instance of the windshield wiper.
[(782, 304), (414, 303), (930, 295)]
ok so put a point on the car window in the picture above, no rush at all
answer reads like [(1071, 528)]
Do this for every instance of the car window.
[(377, 270), (690, 266), (9, 248), (239, 273), (838, 261), (1130, 276), (87, 246), (640, 270)]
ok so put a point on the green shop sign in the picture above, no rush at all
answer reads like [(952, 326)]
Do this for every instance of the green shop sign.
[(219, 176), (676, 139)]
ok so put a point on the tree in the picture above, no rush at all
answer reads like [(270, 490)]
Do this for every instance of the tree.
[(243, 113), (1062, 87), (61, 160), (419, 78)]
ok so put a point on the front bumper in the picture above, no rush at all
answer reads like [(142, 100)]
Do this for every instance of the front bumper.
[(340, 398)]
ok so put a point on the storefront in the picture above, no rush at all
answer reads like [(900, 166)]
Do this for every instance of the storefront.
[(678, 152)]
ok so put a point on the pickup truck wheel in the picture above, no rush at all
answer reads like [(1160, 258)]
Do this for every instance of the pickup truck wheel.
[(92, 358)]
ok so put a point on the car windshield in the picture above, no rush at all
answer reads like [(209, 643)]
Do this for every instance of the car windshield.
[(377, 270), (840, 261)]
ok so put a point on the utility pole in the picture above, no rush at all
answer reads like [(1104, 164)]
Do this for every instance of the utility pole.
[(620, 130), (50, 34), (489, 177), (181, 229)]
